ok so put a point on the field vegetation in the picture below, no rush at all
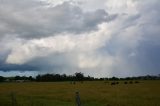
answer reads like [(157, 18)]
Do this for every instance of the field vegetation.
[(92, 93)]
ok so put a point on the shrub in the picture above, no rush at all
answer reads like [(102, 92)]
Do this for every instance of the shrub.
[(113, 83), (136, 81), (125, 82), (2, 79)]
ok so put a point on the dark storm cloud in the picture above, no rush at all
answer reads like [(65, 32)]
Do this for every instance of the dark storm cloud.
[(15, 67), (33, 19), (50, 63), (136, 42), (35, 36), (148, 57)]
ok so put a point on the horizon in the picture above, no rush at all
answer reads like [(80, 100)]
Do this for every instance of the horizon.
[(21, 74), (98, 38), (104, 78)]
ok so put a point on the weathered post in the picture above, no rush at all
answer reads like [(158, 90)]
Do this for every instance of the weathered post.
[(78, 101), (13, 99), (31, 100)]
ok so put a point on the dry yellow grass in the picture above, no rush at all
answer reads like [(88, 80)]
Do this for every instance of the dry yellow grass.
[(96, 93)]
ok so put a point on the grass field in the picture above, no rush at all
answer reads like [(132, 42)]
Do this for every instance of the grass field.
[(96, 93)]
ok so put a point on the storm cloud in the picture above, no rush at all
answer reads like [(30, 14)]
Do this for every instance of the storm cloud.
[(108, 38), (21, 19)]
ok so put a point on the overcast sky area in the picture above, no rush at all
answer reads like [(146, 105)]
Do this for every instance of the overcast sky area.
[(100, 38)]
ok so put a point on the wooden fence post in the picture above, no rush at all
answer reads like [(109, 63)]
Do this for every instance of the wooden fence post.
[(13, 99), (78, 101)]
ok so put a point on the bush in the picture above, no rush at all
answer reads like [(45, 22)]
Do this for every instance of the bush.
[(113, 83), (2, 79), (125, 82)]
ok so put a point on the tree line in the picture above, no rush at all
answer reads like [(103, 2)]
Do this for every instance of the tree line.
[(78, 76)]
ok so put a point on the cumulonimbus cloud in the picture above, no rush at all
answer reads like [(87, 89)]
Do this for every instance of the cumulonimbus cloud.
[(115, 38)]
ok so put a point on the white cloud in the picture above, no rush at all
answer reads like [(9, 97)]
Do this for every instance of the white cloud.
[(82, 36), (85, 42), (121, 6)]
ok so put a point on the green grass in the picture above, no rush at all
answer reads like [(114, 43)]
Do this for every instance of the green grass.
[(96, 93)]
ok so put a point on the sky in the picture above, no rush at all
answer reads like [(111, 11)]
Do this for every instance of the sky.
[(100, 38)]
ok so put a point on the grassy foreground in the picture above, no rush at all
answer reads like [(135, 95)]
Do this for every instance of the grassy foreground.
[(146, 93)]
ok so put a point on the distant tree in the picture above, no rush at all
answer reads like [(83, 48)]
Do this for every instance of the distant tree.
[(17, 78), (114, 78), (38, 78), (101, 79), (64, 76), (79, 76), (30, 78), (2, 79), (128, 78)]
